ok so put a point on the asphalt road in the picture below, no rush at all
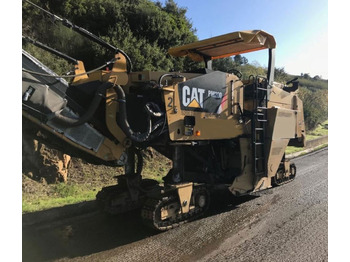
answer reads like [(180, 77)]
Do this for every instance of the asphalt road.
[(286, 223)]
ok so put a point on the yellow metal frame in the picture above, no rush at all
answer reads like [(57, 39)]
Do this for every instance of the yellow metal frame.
[(225, 45)]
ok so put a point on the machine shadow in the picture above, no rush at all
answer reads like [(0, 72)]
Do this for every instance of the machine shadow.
[(96, 232), (225, 202)]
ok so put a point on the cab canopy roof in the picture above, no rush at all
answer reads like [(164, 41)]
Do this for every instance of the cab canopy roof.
[(225, 45)]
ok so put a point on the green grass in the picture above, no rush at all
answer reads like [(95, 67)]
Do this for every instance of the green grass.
[(321, 130), (79, 190), (293, 149), (63, 195), (321, 146)]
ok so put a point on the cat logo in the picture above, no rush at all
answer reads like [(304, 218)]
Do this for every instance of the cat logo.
[(192, 97)]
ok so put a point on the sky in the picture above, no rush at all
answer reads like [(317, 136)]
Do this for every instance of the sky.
[(300, 28)]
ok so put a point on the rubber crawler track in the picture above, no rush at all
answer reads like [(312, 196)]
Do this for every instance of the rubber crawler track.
[(151, 211)]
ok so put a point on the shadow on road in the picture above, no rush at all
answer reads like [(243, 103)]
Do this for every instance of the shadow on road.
[(225, 202), (94, 232)]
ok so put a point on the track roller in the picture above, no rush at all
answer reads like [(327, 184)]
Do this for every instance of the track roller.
[(282, 177), (167, 213)]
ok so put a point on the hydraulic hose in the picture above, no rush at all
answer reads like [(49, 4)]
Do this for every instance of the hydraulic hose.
[(72, 122), (139, 162), (123, 121)]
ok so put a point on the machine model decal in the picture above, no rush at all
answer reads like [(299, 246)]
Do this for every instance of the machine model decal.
[(206, 98), (192, 97)]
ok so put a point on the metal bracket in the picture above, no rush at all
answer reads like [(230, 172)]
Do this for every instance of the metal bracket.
[(184, 191)]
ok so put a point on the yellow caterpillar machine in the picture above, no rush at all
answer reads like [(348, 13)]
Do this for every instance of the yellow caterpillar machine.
[(220, 131)]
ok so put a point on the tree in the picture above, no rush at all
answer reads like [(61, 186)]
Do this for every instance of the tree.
[(281, 75), (306, 75), (240, 60), (223, 64), (143, 29), (315, 105)]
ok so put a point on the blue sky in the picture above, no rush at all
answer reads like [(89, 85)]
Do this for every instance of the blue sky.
[(300, 28)]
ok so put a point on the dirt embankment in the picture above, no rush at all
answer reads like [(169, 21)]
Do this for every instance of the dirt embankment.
[(42, 163), (45, 168)]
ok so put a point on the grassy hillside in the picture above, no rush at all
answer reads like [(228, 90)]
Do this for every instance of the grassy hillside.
[(84, 181)]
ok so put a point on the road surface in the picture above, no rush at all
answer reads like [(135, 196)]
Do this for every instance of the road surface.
[(286, 223)]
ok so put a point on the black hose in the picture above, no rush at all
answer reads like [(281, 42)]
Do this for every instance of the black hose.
[(139, 162), (291, 81), (123, 121), (72, 122)]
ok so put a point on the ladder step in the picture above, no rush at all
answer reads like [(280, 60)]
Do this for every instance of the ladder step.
[(259, 115)]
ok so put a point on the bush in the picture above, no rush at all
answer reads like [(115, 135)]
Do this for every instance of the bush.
[(315, 104)]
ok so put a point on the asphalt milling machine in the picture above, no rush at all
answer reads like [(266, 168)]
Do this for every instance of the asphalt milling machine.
[(220, 131)]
